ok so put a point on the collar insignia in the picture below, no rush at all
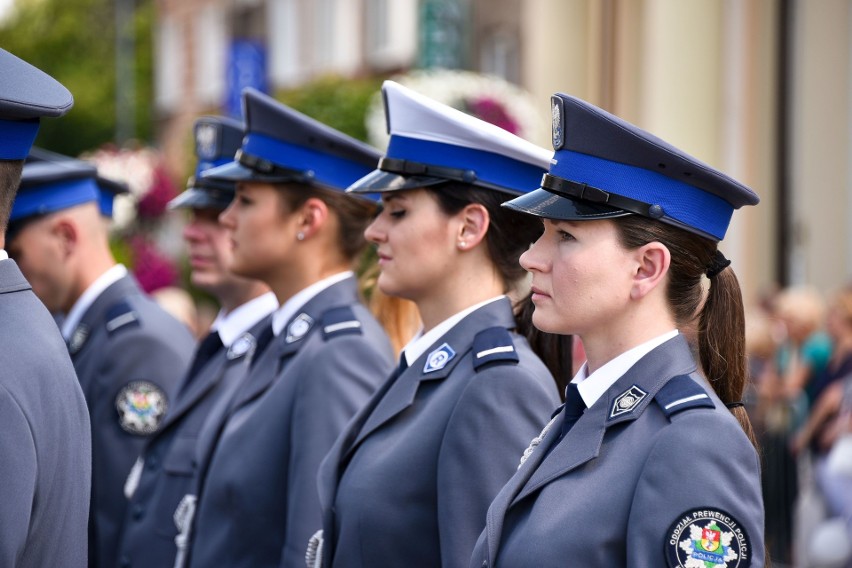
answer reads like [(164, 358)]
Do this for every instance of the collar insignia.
[(439, 358), (78, 338), (627, 401), (243, 345), (299, 327)]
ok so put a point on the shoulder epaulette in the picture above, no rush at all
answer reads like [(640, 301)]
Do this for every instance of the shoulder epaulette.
[(121, 315), (492, 345), (682, 393), (340, 321)]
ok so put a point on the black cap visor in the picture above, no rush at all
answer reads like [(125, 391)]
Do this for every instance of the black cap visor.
[(203, 198), (379, 181), (549, 205)]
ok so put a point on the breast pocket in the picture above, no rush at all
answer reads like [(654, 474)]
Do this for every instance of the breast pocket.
[(181, 458)]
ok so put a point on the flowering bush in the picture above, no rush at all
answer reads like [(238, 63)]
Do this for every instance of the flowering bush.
[(141, 232), (486, 97)]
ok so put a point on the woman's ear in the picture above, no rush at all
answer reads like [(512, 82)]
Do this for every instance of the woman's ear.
[(313, 214), (474, 226), (653, 261)]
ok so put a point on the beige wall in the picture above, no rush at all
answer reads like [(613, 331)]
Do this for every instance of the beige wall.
[(821, 145), (699, 74)]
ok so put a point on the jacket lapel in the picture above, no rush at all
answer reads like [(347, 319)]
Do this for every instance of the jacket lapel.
[(435, 364), (583, 442), (294, 335)]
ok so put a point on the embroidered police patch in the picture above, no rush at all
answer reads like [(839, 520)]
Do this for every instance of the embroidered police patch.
[(702, 538), (299, 327), (78, 338), (627, 401), (141, 406), (245, 344), (439, 358)]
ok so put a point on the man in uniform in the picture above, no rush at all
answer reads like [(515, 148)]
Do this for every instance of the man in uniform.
[(164, 483), (45, 470), (129, 354)]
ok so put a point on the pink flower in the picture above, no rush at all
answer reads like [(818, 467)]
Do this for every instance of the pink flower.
[(151, 268), (490, 110), (153, 203)]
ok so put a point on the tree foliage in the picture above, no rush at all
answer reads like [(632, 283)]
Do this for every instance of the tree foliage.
[(336, 101), (74, 41)]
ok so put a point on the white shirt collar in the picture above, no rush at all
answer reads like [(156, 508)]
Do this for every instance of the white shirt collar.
[(420, 343), (87, 298), (289, 308), (3, 254), (233, 324), (593, 386)]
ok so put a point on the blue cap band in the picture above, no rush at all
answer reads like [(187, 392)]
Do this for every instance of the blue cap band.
[(210, 164), (326, 169), (17, 139), (680, 201), (494, 169), (105, 202), (54, 197)]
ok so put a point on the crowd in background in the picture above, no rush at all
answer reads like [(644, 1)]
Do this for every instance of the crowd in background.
[(800, 353)]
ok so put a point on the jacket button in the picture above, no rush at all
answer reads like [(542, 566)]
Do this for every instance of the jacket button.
[(152, 463), (485, 564), (138, 511), (124, 562)]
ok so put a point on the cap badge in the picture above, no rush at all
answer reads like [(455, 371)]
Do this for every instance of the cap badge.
[(245, 344), (206, 138), (78, 338), (627, 401), (439, 358), (556, 116), (299, 327), (707, 537), (141, 406)]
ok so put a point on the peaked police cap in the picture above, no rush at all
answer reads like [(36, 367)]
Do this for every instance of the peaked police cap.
[(283, 145), (432, 143), (605, 167)]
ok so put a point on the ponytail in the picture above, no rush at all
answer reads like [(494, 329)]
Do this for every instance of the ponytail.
[(721, 319), (721, 344)]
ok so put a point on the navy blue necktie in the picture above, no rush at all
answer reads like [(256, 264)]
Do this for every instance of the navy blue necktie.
[(574, 408), (206, 349), (264, 338)]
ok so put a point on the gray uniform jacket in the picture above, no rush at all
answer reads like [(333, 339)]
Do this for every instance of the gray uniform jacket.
[(409, 482), (656, 473), (129, 355), (169, 467), (45, 446), (258, 504)]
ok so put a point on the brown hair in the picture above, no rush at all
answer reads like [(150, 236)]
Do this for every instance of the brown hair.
[(721, 320), (354, 213), (10, 179), (509, 235)]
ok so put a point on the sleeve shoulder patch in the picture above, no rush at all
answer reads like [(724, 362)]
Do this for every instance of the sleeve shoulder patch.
[(120, 316), (340, 321), (493, 346), (682, 393)]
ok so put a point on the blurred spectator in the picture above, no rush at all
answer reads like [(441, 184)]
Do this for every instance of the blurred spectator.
[(802, 352)]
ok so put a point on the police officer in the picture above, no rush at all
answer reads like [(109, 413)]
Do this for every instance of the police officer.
[(409, 481), (45, 469), (162, 486), (649, 463), (324, 354), (129, 354)]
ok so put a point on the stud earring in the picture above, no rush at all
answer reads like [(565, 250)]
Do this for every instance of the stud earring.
[(300, 236), (463, 245)]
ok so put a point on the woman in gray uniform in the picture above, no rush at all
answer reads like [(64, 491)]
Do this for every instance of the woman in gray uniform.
[(409, 481), (324, 354), (651, 461)]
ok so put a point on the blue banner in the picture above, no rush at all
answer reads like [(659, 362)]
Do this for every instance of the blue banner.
[(246, 68)]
